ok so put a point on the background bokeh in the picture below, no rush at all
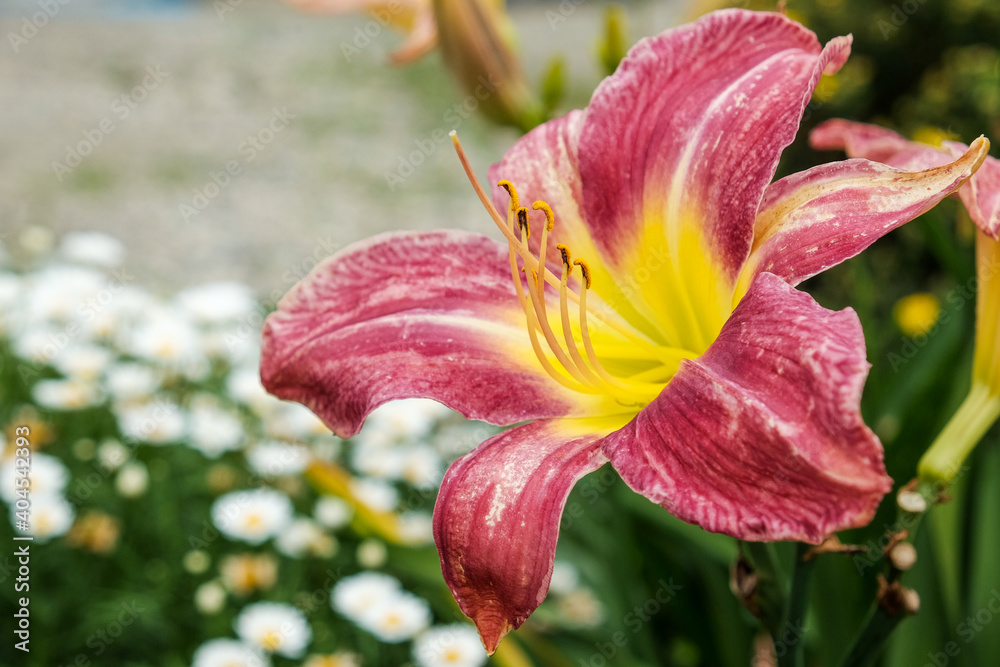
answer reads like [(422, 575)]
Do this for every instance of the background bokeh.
[(139, 380)]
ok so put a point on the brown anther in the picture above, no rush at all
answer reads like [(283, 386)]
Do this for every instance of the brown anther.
[(585, 269), (564, 251), (522, 221)]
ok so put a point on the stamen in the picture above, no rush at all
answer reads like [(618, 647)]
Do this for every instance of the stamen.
[(628, 387), (550, 222), (522, 222), (511, 192)]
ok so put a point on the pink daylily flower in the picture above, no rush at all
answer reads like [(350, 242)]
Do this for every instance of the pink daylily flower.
[(981, 196), (677, 348)]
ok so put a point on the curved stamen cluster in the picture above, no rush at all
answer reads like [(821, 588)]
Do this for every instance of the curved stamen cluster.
[(586, 375)]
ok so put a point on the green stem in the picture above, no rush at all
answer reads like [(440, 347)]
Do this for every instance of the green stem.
[(770, 591), (943, 460), (795, 614), (871, 640)]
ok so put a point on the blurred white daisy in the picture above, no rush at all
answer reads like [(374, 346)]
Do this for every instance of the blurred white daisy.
[(130, 381), (397, 619), (59, 293), (159, 422), (166, 336), (406, 420), (47, 476), (10, 290), (372, 554), (222, 301), (252, 516), (49, 516), (381, 462), (275, 628), (416, 528), (94, 248), (374, 493), (422, 467), (303, 537), (273, 459), (228, 653), (456, 645), (565, 578), (132, 480), (356, 595), (112, 454), (210, 598), (67, 394), (243, 384), (293, 421), (213, 430), (333, 512), (82, 361)]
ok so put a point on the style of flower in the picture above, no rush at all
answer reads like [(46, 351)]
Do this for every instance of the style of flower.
[(676, 346), (981, 198)]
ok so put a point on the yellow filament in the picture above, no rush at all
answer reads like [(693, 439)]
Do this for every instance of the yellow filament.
[(526, 256), (584, 377)]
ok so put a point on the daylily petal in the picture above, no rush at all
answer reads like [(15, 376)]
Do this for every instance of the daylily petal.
[(762, 438), (728, 90), (496, 521), (816, 219), (542, 165), (431, 315), (981, 195)]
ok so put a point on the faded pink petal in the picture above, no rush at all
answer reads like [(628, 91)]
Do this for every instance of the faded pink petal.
[(816, 219), (762, 438), (497, 518), (431, 315), (981, 195)]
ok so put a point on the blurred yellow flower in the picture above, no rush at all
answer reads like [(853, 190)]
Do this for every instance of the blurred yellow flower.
[(246, 573), (917, 313), (96, 532)]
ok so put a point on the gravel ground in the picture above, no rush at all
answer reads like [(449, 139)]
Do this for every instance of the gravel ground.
[(160, 100)]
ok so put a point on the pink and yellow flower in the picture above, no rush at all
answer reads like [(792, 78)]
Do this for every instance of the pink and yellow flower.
[(981, 197), (677, 348)]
